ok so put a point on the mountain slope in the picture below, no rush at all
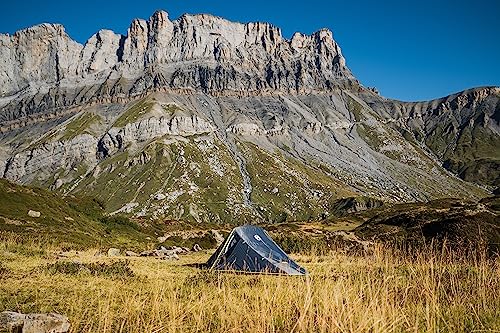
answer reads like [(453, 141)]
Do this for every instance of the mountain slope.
[(71, 220), (462, 130), (203, 119)]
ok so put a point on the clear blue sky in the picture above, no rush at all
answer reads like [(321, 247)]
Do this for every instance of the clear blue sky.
[(409, 50)]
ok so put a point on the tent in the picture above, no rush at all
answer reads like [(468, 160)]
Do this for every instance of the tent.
[(250, 249)]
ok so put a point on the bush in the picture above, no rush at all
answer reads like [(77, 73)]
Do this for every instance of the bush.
[(119, 220)]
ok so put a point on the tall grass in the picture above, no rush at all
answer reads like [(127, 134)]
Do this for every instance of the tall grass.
[(386, 290)]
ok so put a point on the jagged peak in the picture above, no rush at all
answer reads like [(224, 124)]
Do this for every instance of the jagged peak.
[(256, 47), (159, 15), (323, 33), (43, 29), (159, 19)]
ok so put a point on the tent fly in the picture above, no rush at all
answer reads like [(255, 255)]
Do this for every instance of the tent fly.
[(250, 249)]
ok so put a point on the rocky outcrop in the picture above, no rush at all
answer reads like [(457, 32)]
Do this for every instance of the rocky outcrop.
[(33, 323), (141, 131), (347, 206), (43, 69), (50, 157), (43, 53)]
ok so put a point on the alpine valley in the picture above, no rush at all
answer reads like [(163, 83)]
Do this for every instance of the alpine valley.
[(201, 119)]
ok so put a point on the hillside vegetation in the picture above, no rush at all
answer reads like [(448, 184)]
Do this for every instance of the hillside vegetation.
[(75, 221)]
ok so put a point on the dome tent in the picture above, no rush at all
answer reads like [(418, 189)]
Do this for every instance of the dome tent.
[(250, 249)]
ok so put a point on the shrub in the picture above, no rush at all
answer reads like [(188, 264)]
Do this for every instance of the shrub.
[(119, 220)]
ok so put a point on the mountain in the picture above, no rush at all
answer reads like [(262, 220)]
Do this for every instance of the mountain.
[(206, 120)]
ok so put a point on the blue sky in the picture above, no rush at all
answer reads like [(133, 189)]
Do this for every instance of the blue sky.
[(409, 50)]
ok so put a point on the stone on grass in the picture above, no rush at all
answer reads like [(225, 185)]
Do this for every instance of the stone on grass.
[(159, 196), (33, 323), (33, 213), (196, 248), (177, 250), (113, 252)]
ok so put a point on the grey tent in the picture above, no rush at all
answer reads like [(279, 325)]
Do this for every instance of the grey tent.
[(250, 249)]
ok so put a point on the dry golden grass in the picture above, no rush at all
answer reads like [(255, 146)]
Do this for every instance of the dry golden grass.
[(381, 292)]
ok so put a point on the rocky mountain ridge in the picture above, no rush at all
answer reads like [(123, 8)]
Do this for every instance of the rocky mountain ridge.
[(203, 119), (44, 68)]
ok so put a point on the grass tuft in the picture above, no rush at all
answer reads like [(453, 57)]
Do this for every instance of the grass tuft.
[(116, 269)]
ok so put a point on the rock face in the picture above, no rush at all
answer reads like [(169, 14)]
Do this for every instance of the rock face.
[(199, 52), (208, 120), (33, 323)]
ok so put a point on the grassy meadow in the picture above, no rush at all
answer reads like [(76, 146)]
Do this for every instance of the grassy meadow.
[(381, 291)]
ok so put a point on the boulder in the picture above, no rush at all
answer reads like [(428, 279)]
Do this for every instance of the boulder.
[(218, 237), (147, 253), (196, 248), (131, 254), (171, 256), (33, 323), (161, 239), (159, 196), (33, 213), (177, 250), (113, 252)]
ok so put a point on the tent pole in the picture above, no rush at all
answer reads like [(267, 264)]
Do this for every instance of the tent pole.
[(224, 249)]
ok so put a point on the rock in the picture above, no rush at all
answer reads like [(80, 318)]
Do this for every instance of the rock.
[(275, 190), (177, 250), (218, 237), (196, 248), (33, 213), (166, 252), (127, 208), (161, 239), (45, 54), (113, 252), (147, 253), (172, 256), (159, 196), (67, 218), (33, 323), (58, 184), (161, 253), (131, 254)]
